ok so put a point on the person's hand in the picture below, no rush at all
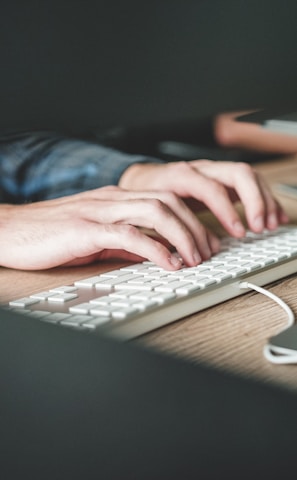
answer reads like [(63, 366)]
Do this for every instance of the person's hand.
[(214, 185), (101, 224)]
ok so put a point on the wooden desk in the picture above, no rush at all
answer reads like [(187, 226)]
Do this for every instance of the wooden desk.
[(230, 336)]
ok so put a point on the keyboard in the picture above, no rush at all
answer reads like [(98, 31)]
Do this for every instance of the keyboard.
[(139, 298)]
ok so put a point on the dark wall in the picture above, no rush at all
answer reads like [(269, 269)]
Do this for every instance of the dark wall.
[(84, 64)]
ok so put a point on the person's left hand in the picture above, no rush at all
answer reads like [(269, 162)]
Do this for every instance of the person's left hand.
[(214, 185)]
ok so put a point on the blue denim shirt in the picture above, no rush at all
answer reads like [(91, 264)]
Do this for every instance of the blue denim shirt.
[(42, 165)]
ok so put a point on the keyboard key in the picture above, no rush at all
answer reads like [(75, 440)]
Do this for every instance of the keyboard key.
[(76, 320), (64, 289), (82, 308), (62, 297), (55, 317), (94, 323), (42, 295), (23, 302), (124, 312), (87, 282)]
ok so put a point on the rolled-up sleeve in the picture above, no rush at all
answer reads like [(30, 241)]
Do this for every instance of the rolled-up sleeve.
[(45, 165)]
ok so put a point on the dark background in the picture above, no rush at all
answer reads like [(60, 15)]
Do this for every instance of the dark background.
[(82, 65)]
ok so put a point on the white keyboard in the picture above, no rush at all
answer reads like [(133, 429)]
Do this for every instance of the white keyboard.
[(142, 297)]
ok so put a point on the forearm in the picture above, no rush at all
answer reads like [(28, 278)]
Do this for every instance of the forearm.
[(46, 165), (230, 133)]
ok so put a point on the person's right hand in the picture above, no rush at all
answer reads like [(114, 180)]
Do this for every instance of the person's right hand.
[(101, 224)]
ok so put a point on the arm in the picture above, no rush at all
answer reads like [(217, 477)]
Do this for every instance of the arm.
[(103, 223), (251, 136), (45, 165)]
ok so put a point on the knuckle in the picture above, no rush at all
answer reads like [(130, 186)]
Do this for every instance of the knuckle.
[(216, 188), (128, 230), (122, 231), (244, 169), (170, 198), (155, 205), (181, 167)]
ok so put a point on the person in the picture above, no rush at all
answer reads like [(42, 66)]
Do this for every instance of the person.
[(243, 135), (68, 201)]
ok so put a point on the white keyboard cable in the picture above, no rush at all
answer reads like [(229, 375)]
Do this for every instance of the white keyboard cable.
[(284, 358)]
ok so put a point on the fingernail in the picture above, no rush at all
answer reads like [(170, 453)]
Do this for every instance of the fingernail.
[(216, 246), (238, 228), (272, 221), (175, 261), (258, 224), (197, 257)]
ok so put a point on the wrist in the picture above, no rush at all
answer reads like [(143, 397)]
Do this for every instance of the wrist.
[(138, 176)]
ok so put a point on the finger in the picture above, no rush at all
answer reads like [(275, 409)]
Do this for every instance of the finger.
[(215, 197), (178, 224), (176, 205), (275, 214), (127, 238), (153, 214), (185, 179), (250, 189), (185, 215), (259, 205), (261, 208), (149, 213), (213, 241)]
